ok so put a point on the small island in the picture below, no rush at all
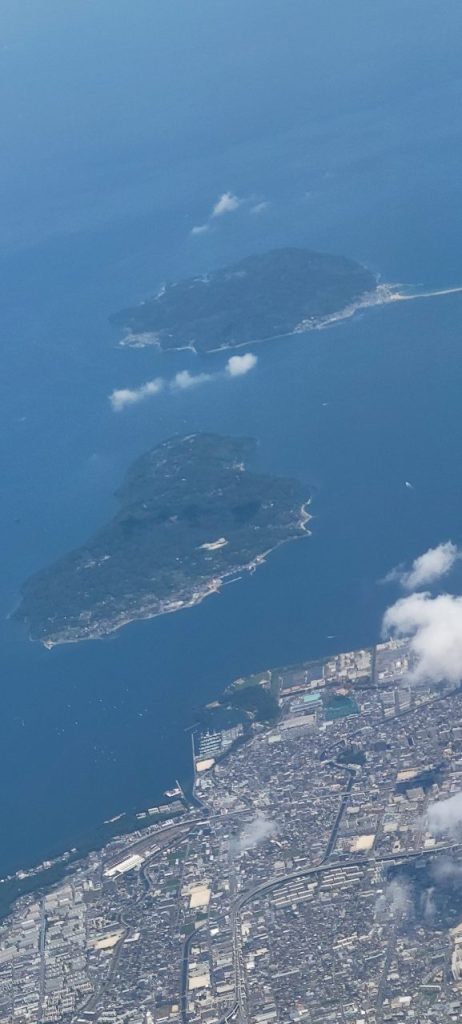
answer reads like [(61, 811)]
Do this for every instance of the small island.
[(266, 296), (191, 516)]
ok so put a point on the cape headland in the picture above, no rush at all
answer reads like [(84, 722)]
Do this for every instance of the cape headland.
[(265, 296), (191, 516)]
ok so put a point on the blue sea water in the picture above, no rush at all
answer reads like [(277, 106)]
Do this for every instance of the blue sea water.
[(123, 124)]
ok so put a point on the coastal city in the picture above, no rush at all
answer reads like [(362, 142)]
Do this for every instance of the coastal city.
[(231, 577), (313, 876)]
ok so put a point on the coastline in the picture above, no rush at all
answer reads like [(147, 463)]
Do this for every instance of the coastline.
[(213, 586), (131, 824), (383, 295), (52, 870)]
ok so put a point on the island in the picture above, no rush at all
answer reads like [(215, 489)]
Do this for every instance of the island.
[(266, 296), (191, 516)]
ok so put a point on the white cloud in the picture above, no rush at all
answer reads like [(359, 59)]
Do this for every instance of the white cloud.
[(184, 380), (428, 906), (260, 207), (445, 817), (237, 366), (227, 203), (200, 229), (427, 568), (122, 397), (395, 902), (256, 832), (434, 625), (445, 869)]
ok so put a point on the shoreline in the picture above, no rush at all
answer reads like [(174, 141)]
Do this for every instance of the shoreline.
[(383, 295), (53, 869), (374, 298), (213, 586), (128, 823)]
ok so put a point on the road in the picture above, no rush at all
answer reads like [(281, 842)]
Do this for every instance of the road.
[(341, 810), (184, 975), (263, 888), (155, 842), (391, 946), (401, 297), (43, 929)]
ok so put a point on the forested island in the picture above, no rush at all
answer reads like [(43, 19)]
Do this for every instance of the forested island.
[(191, 514), (262, 297)]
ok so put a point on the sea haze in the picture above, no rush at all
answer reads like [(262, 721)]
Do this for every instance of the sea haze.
[(348, 129)]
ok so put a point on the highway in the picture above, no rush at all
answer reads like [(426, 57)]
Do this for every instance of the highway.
[(263, 888), (352, 862), (341, 810), (391, 946), (402, 297), (153, 842), (43, 929), (184, 975)]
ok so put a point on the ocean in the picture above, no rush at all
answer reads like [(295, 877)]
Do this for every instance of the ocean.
[(123, 127)]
